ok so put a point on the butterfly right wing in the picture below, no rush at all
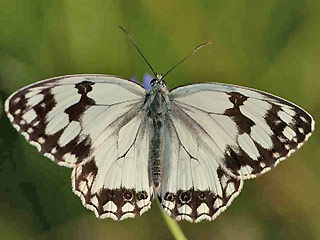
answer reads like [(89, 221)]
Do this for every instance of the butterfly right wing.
[(95, 124), (220, 135), (194, 187)]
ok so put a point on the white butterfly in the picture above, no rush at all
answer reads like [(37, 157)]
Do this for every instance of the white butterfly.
[(192, 147)]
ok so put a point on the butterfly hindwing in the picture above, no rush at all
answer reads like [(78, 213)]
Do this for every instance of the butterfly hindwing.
[(194, 186), (114, 182), (249, 131)]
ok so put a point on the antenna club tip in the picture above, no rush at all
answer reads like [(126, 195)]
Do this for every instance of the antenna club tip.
[(209, 42)]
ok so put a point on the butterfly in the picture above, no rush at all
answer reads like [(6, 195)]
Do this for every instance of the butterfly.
[(191, 147)]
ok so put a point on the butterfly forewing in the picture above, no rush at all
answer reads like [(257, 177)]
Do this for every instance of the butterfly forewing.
[(63, 116), (93, 123), (249, 131)]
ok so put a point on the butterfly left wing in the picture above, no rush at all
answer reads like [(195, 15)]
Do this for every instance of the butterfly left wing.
[(114, 182), (95, 124), (251, 131)]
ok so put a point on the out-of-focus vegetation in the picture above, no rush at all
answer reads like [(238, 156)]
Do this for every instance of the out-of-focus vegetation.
[(270, 45)]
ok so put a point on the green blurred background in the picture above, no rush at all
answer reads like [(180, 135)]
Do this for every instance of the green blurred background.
[(269, 45)]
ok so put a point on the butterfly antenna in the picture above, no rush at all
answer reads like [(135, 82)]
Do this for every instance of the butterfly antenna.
[(189, 55), (135, 45)]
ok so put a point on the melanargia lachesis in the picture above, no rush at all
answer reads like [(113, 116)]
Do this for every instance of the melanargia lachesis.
[(192, 147)]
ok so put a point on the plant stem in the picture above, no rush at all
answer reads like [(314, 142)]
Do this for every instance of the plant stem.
[(172, 225)]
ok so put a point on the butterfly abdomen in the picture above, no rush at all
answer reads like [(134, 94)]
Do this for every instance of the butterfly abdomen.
[(155, 167), (155, 150)]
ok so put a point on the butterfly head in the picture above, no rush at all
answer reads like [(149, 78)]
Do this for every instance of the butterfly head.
[(158, 84)]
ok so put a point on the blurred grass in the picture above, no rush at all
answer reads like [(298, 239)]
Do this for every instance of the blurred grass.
[(270, 45)]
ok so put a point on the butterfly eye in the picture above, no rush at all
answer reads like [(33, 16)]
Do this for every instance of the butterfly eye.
[(153, 81)]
